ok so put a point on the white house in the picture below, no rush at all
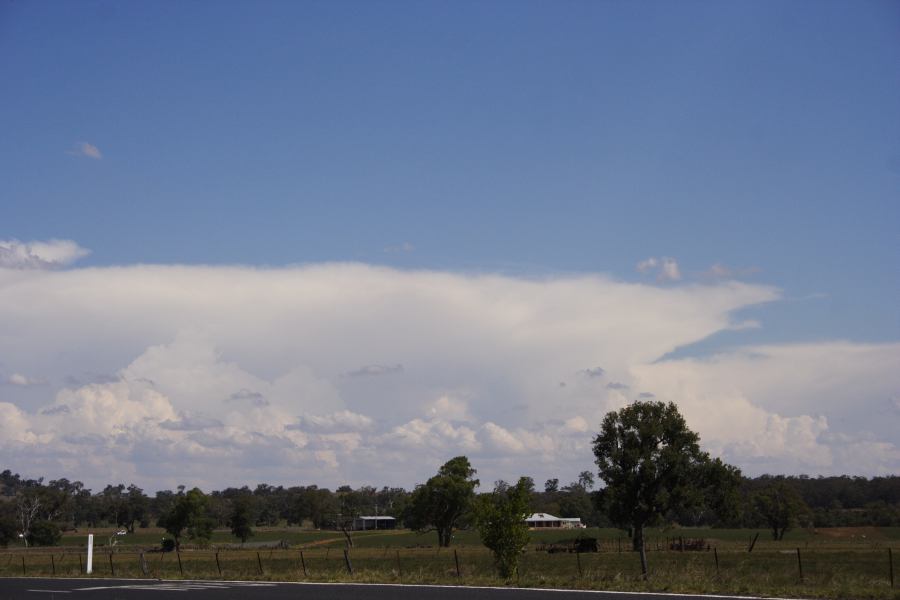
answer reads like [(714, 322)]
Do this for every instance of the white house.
[(548, 521), (379, 522)]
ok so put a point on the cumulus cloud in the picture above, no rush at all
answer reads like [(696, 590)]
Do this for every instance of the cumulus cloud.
[(86, 150), (22, 381), (224, 376), (51, 254), (665, 267)]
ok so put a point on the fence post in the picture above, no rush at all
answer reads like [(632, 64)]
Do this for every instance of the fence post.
[(303, 564), (753, 542), (52, 564), (620, 544), (578, 560), (80, 564), (259, 563), (180, 566), (23, 564), (716, 555), (799, 565), (399, 569), (456, 558), (112, 568), (218, 566), (891, 566), (347, 561), (143, 562)]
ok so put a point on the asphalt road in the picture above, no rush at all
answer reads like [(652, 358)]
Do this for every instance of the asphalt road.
[(140, 589)]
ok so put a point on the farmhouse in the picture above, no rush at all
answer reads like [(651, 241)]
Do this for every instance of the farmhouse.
[(366, 523), (548, 521)]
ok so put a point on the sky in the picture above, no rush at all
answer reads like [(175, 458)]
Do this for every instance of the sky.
[(342, 242)]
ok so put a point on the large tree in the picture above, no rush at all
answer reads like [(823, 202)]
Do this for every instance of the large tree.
[(652, 465), (443, 500), (500, 520), (188, 512), (242, 517)]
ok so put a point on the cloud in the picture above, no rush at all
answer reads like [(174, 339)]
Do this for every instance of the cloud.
[(254, 398), (594, 372), (745, 325), (375, 370), (224, 375), (615, 385), (344, 421), (22, 381), (86, 150), (666, 268), (51, 254)]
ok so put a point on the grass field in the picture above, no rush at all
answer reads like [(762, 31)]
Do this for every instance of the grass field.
[(836, 563)]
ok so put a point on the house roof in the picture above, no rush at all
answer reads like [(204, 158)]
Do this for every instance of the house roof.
[(549, 517)]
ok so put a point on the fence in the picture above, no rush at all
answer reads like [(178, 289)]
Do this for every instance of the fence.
[(718, 570)]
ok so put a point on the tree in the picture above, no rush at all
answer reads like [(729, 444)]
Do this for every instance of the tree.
[(242, 517), (651, 465), (551, 486), (781, 506), (7, 524), (500, 520), (188, 513), (440, 504), (44, 533)]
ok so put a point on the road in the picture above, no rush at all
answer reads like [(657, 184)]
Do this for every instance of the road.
[(141, 589)]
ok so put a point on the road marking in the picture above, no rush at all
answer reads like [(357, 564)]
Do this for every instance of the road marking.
[(52, 591), (180, 586)]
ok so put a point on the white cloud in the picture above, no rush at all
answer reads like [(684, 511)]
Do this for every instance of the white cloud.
[(39, 255), (86, 150), (666, 268), (22, 380), (647, 265), (225, 376)]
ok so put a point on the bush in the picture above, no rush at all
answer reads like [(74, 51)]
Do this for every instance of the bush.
[(44, 533)]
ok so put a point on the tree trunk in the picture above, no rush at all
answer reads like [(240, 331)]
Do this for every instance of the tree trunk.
[(639, 546), (444, 535)]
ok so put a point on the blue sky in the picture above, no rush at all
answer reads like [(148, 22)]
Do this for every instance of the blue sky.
[(526, 139)]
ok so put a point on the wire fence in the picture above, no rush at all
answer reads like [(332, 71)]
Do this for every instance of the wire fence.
[(609, 567)]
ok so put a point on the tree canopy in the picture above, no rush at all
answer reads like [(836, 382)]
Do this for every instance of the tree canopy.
[(441, 503), (500, 520), (652, 465)]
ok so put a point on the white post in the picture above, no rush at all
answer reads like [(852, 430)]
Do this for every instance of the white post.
[(90, 557)]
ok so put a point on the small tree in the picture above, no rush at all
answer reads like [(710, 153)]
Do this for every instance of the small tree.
[(44, 533), (652, 465), (781, 506), (243, 515), (443, 500), (500, 520)]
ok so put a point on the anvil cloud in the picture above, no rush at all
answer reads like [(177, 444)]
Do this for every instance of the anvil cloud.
[(218, 376)]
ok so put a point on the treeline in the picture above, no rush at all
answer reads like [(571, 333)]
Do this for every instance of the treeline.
[(43, 509)]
